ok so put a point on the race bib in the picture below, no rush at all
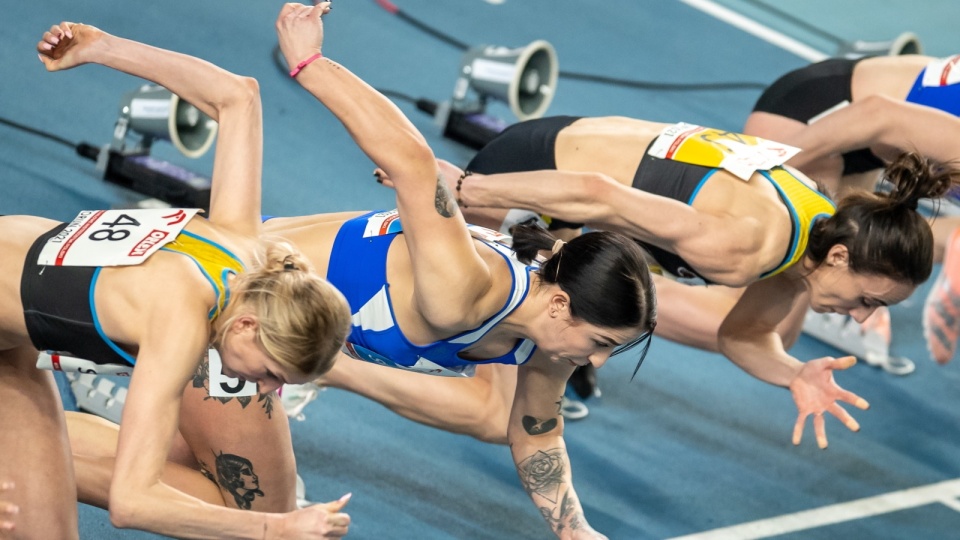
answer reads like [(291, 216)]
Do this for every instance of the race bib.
[(69, 364), (942, 72), (422, 366), (220, 384), (114, 237), (741, 155), (388, 222), (382, 223), (223, 386), (489, 235)]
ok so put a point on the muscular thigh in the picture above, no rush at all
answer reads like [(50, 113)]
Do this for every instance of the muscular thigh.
[(34, 449), (242, 444)]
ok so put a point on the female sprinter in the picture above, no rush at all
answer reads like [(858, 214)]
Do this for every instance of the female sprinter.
[(259, 305), (774, 232), (852, 117)]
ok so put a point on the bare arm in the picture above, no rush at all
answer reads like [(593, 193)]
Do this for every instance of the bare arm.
[(748, 335), (449, 275), (535, 433), (705, 240), (231, 99), (879, 121), (167, 358), (138, 497), (749, 338)]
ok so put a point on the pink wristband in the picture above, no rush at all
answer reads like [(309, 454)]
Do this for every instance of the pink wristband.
[(295, 71)]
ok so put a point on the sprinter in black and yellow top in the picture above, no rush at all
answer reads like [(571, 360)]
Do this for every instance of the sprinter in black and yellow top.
[(718, 206), (116, 286)]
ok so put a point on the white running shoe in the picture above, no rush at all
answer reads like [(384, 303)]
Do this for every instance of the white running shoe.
[(297, 396)]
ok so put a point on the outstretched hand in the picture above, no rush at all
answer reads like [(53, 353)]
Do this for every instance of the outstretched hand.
[(318, 521), (815, 392), (300, 30), (66, 45)]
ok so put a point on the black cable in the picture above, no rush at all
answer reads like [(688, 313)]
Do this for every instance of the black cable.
[(393, 9), (799, 22), (83, 149), (643, 85), (37, 132), (433, 31)]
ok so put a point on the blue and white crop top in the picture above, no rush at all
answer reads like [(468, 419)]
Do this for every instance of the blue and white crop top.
[(358, 268)]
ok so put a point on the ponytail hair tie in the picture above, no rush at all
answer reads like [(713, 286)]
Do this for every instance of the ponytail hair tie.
[(557, 246)]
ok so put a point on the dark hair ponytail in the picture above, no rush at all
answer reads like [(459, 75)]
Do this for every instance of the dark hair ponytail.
[(883, 233), (915, 177), (603, 272)]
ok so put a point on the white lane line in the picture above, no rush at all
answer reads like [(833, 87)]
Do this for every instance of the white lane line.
[(953, 504), (753, 27), (941, 492)]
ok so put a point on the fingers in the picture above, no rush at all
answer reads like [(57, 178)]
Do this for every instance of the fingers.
[(853, 399), (337, 505), (798, 428), (59, 31), (289, 8), (54, 43), (52, 37), (820, 430), (382, 177), (844, 417), (843, 362), (8, 510), (339, 524)]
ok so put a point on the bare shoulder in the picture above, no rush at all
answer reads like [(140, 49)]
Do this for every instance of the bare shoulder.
[(809, 182), (242, 246)]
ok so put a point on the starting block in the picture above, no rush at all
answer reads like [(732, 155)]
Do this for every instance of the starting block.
[(99, 395), (846, 334)]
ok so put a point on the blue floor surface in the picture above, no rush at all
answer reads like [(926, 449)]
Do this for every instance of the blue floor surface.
[(692, 444)]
